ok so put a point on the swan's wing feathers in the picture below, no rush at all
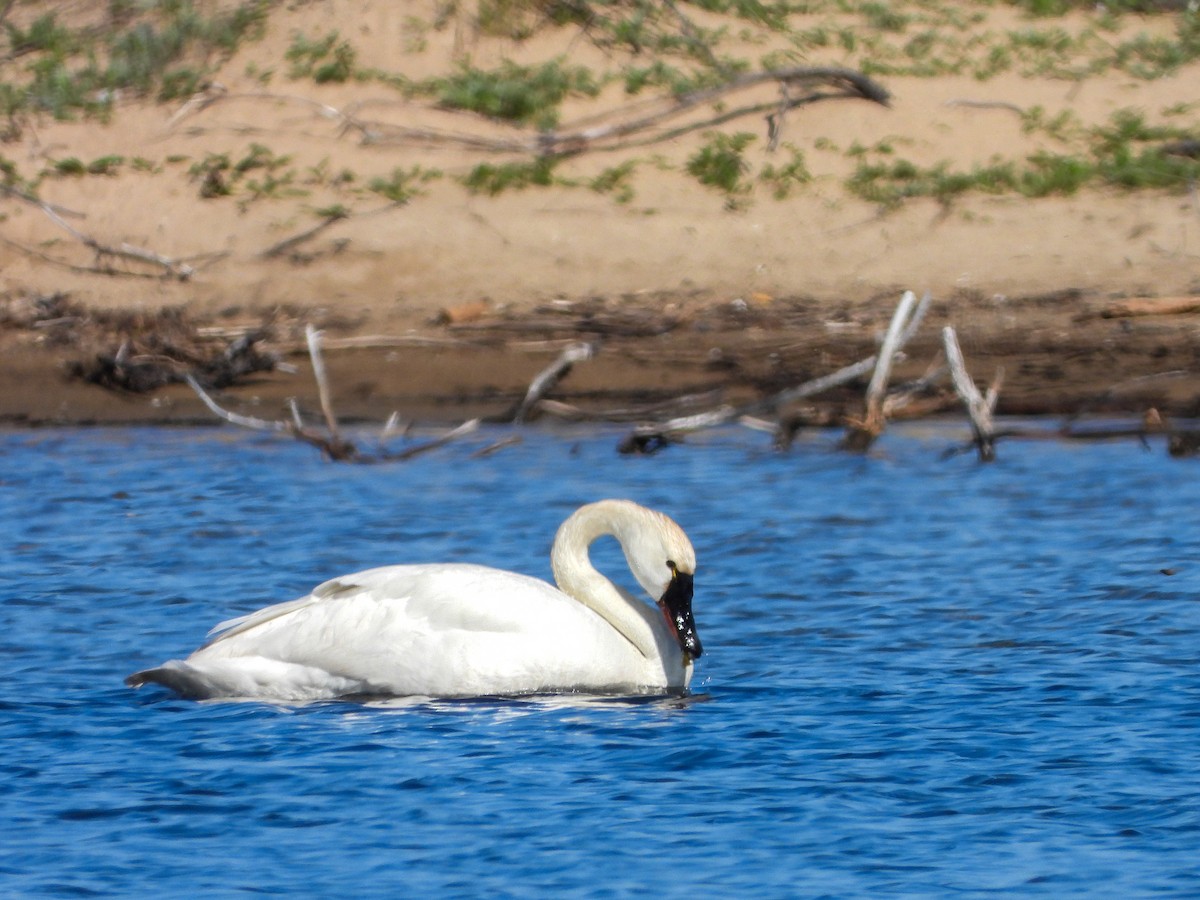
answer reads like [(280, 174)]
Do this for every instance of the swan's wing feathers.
[(241, 624), (478, 599), (437, 598)]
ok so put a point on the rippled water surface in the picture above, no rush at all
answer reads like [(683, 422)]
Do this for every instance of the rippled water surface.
[(920, 676)]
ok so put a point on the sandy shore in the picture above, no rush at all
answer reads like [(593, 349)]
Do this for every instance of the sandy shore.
[(683, 295)]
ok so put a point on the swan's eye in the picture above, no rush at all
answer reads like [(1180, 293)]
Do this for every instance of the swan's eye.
[(671, 565)]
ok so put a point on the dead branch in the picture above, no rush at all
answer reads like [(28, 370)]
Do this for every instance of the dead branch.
[(1151, 306), (288, 244), (496, 446), (823, 83), (801, 85), (551, 376), (979, 406), (654, 437), (862, 433), (333, 445), (173, 267), (904, 398), (674, 405), (318, 365), (468, 427), (987, 104), (232, 417), (140, 365)]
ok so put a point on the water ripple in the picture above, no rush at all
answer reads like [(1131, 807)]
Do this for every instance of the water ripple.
[(921, 677)]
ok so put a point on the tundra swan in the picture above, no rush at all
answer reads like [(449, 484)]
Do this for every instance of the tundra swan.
[(462, 630)]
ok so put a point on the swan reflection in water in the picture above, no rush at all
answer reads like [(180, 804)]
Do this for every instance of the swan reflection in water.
[(444, 630)]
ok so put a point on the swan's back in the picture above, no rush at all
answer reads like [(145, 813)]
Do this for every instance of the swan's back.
[(434, 630)]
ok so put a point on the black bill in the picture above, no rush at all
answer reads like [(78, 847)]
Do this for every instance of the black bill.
[(676, 605)]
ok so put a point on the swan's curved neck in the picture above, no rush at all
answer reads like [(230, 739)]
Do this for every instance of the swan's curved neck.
[(575, 575)]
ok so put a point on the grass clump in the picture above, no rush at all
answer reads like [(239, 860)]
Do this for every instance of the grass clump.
[(1127, 152), (495, 179), (260, 173), (721, 164), (324, 60), (73, 167), (162, 48), (617, 181), (525, 94), (783, 178), (402, 184)]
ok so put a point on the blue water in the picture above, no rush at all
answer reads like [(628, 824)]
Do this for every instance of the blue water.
[(921, 677)]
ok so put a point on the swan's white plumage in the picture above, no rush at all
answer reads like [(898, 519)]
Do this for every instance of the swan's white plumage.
[(458, 629)]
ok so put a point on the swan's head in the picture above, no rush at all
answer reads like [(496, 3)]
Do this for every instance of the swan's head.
[(663, 561), (659, 554)]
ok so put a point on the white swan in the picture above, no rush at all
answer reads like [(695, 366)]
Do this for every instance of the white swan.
[(455, 630)]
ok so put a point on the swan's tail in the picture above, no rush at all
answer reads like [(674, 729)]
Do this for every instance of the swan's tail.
[(248, 676), (174, 674)]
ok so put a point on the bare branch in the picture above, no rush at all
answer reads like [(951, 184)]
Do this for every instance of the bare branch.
[(318, 364), (454, 434), (288, 244), (551, 376), (818, 82), (979, 408), (905, 321), (234, 418), (172, 267)]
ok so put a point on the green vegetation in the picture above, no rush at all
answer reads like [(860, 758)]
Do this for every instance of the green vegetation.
[(161, 48), (325, 60), (720, 164), (78, 62), (526, 94), (782, 179), (403, 184), (487, 178), (1126, 152), (257, 175), (616, 181), (104, 165)]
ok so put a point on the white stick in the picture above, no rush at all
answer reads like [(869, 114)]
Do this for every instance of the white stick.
[(244, 421), (318, 363), (979, 408), (552, 375)]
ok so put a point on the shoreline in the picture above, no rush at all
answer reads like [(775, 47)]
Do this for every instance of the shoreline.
[(1063, 354), (716, 260)]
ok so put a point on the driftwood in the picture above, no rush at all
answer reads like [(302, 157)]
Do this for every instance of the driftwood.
[(862, 433), (650, 438), (171, 267), (1156, 306), (612, 130), (675, 406), (551, 376), (287, 246), (332, 444), (135, 370), (979, 406), (653, 437), (823, 83)]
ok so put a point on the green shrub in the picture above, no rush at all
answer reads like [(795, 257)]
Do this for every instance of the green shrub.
[(527, 94), (719, 164), (495, 179)]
